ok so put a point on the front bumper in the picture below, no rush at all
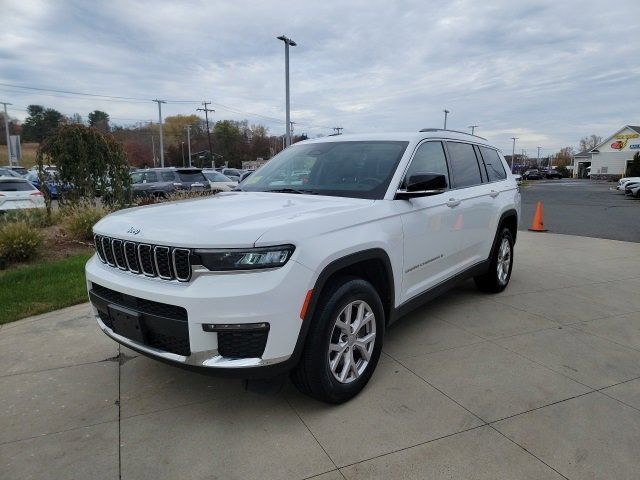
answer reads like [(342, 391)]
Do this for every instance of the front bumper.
[(272, 297)]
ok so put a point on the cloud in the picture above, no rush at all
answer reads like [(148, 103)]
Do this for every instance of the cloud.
[(548, 72)]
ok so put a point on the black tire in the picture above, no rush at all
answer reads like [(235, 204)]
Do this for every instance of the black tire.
[(493, 281), (313, 376)]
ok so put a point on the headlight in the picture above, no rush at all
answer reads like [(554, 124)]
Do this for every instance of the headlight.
[(243, 259)]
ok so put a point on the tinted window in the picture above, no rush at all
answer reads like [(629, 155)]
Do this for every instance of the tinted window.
[(429, 158), (464, 165), (15, 186), (495, 168), (151, 177), (191, 177), (136, 178), (167, 176), (340, 168)]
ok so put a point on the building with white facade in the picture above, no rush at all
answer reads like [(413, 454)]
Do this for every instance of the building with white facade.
[(610, 159)]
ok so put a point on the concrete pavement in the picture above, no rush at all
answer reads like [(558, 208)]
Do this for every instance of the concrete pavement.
[(539, 382)]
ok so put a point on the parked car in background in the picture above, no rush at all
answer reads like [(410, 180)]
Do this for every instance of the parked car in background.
[(18, 193), (51, 183), (518, 178), (162, 182), (245, 175), (232, 173), (7, 172), (622, 183), (218, 181), (533, 174), (17, 169), (630, 185), (552, 174), (635, 191)]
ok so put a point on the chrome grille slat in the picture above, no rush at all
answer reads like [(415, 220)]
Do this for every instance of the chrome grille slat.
[(161, 261), (131, 257), (97, 240), (108, 251), (181, 264), (145, 256), (118, 254)]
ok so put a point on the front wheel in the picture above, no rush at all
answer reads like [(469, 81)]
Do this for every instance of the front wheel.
[(497, 277), (343, 344)]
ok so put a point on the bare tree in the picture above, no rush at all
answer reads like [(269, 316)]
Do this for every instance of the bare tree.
[(592, 141)]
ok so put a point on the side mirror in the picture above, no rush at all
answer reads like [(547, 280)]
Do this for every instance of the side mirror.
[(423, 185)]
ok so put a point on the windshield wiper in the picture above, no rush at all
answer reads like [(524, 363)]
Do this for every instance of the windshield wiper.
[(292, 190)]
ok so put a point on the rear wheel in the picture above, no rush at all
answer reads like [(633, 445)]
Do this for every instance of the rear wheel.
[(343, 344), (497, 277)]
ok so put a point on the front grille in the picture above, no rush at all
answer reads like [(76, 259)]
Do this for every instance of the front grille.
[(164, 326), (167, 263), (242, 344)]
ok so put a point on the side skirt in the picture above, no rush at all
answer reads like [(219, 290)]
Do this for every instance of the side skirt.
[(437, 290)]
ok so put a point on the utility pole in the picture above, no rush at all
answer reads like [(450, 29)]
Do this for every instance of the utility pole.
[(6, 127), (160, 102), (538, 161), (188, 127), (338, 130), (446, 112), (473, 128), (287, 43), (153, 148), (182, 150), (206, 111), (513, 152)]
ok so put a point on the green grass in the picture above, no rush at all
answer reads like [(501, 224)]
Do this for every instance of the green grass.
[(43, 287)]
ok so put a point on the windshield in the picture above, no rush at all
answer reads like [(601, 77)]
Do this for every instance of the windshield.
[(343, 169), (214, 176)]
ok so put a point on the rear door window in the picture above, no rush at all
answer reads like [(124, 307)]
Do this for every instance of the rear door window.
[(192, 177), (495, 168), (167, 176), (151, 177), (465, 169)]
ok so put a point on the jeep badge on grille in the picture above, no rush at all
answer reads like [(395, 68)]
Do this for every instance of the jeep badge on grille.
[(133, 231)]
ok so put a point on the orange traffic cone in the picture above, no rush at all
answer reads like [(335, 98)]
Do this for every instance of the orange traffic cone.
[(538, 223)]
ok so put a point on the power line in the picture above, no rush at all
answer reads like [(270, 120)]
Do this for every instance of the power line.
[(56, 93)]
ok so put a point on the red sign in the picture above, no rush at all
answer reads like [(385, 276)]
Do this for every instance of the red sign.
[(618, 145)]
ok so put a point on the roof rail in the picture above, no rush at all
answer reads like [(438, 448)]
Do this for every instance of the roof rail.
[(447, 130)]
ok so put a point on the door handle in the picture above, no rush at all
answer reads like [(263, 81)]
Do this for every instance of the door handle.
[(453, 202), (494, 194)]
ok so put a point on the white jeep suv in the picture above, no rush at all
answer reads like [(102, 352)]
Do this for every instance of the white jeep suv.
[(303, 269)]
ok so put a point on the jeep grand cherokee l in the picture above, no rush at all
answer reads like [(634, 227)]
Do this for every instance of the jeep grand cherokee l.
[(303, 274)]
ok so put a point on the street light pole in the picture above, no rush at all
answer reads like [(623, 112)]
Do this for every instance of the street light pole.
[(6, 127), (160, 102), (473, 128), (287, 42), (188, 127), (513, 152), (446, 112)]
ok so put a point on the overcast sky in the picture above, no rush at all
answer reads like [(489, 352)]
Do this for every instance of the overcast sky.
[(549, 72)]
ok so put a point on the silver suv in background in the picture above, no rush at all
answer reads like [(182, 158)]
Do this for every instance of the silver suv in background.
[(162, 182)]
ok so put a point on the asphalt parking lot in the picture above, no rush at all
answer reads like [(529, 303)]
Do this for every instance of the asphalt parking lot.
[(583, 207), (541, 381)]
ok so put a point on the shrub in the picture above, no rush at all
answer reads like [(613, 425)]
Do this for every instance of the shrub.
[(19, 241), (35, 217), (78, 222)]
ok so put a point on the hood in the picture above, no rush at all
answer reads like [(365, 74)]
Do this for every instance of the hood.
[(233, 219)]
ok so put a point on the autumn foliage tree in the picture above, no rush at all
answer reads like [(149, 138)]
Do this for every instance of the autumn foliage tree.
[(89, 163)]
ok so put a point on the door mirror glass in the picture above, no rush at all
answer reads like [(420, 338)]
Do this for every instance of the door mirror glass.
[(426, 181), (422, 184)]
